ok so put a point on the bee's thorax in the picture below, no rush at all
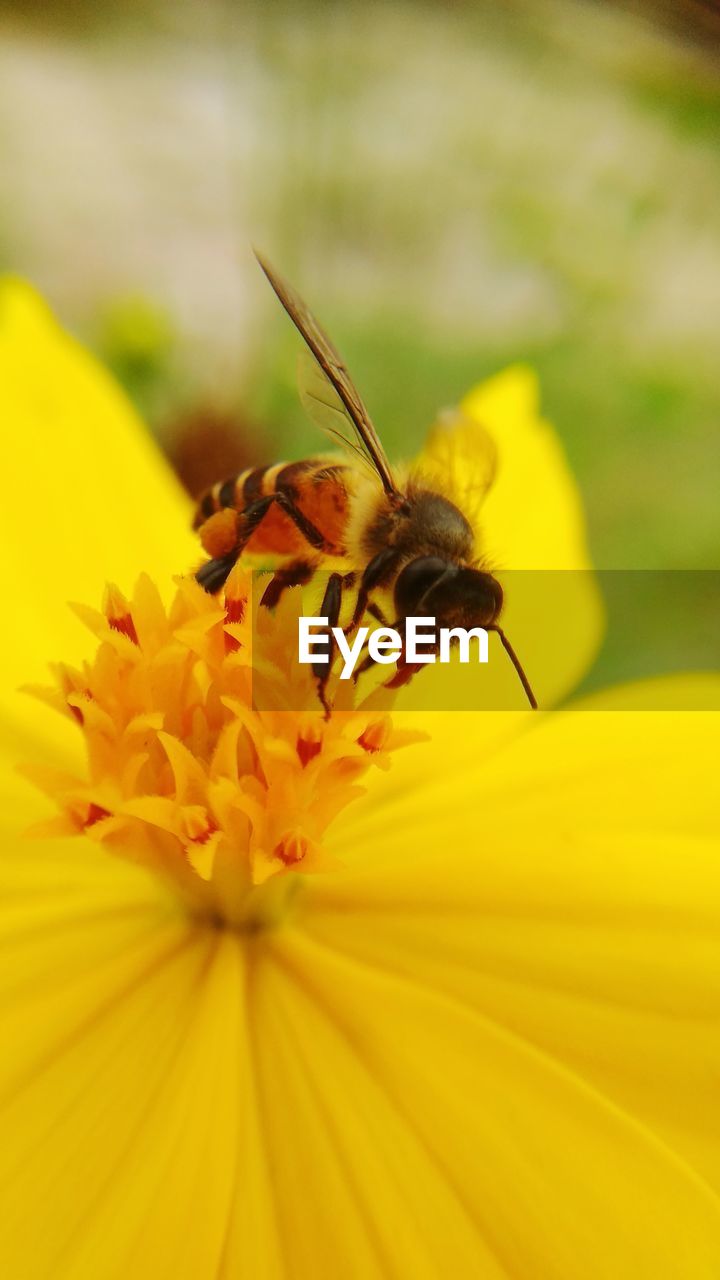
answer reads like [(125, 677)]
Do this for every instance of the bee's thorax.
[(420, 523)]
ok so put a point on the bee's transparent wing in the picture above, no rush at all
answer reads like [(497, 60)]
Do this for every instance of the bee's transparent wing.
[(460, 456), (325, 408), (332, 396)]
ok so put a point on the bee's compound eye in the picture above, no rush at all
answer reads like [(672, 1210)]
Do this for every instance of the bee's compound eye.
[(415, 581), (482, 594)]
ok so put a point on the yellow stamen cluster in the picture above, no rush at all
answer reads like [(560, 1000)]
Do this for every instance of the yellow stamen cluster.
[(184, 773)]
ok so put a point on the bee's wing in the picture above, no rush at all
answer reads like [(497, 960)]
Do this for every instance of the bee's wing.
[(460, 456), (331, 397), (324, 406)]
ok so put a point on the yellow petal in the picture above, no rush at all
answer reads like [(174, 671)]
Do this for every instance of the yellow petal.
[(576, 903), (480, 777), (532, 515), (464, 1055), (119, 1080), (531, 533), (543, 1177), (354, 1175), (87, 496)]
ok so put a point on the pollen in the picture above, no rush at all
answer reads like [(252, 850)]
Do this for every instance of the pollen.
[(226, 802)]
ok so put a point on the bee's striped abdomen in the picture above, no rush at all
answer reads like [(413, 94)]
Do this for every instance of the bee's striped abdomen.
[(312, 506), (241, 490)]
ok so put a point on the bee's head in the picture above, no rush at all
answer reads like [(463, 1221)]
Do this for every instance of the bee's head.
[(453, 595)]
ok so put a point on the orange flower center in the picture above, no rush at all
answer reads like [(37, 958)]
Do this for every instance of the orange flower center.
[(184, 774)]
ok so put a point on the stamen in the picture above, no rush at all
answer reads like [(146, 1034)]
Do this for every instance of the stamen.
[(96, 813), (117, 612), (292, 848), (309, 743), (184, 774), (374, 737), (235, 607)]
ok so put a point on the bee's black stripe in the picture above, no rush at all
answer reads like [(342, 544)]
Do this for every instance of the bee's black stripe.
[(253, 485), (207, 506), (285, 479), (226, 496)]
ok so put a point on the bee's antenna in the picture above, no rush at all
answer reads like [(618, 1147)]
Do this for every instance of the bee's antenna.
[(517, 665)]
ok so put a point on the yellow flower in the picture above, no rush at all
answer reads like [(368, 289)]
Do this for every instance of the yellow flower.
[(480, 1038)]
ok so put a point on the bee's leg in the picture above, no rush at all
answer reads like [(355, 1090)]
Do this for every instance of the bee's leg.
[(368, 661), (330, 609), (309, 531), (233, 528), (365, 665), (375, 573), (228, 526), (245, 525), (214, 573), (373, 609), (376, 612), (404, 673), (291, 575)]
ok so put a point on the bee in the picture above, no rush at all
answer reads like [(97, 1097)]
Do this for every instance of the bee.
[(380, 531)]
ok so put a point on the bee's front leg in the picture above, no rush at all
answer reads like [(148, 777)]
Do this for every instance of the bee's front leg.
[(376, 574), (330, 609), (373, 608), (404, 671), (376, 612)]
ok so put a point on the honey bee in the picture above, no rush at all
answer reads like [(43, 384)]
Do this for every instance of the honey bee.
[(382, 533)]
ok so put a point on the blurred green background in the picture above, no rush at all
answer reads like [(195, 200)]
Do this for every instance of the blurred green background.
[(453, 187)]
